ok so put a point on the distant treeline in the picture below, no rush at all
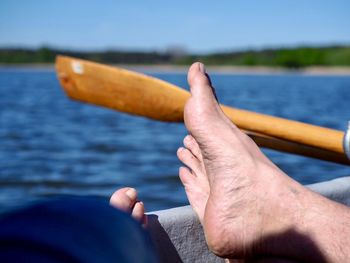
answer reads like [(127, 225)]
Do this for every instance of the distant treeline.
[(285, 57)]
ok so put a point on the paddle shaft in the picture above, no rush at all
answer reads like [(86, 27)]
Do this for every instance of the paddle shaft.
[(142, 95)]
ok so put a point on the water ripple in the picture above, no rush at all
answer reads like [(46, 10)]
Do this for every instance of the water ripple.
[(51, 146)]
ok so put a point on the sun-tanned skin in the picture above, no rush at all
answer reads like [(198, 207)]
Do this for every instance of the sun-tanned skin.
[(248, 207)]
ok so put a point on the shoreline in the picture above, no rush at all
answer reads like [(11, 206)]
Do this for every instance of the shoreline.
[(246, 70)]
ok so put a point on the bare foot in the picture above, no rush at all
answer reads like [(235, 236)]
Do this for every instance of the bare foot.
[(241, 207), (125, 199)]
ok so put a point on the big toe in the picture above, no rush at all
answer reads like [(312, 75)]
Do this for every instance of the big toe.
[(124, 199), (200, 84), (202, 113)]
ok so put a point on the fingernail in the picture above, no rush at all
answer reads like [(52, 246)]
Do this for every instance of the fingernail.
[(201, 67), (131, 193)]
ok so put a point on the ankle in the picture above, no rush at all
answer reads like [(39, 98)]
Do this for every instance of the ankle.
[(327, 223), (285, 218), (311, 228)]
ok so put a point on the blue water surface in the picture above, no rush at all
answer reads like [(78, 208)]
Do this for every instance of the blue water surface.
[(51, 146)]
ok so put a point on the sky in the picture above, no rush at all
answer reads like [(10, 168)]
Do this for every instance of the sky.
[(197, 26)]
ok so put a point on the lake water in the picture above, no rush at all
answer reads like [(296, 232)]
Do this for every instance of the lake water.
[(50, 145)]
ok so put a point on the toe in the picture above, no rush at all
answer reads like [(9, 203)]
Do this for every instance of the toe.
[(202, 107), (189, 160), (197, 191), (124, 199), (191, 144), (203, 102), (199, 82), (186, 176), (138, 212), (197, 75)]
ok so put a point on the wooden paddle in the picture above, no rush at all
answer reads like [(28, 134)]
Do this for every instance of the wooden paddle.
[(142, 95)]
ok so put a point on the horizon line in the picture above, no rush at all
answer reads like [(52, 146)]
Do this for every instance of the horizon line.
[(168, 49)]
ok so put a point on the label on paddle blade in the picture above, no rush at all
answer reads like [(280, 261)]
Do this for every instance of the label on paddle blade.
[(77, 67)]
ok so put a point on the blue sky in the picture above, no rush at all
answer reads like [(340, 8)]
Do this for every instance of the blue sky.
[(199, 26)]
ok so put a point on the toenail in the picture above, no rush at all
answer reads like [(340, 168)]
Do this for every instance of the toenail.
[(201, 67), (180, 149), (131, 193), (188, 138)]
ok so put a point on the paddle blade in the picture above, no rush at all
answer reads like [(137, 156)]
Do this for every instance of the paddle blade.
[(143, 95), (121, 89)]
